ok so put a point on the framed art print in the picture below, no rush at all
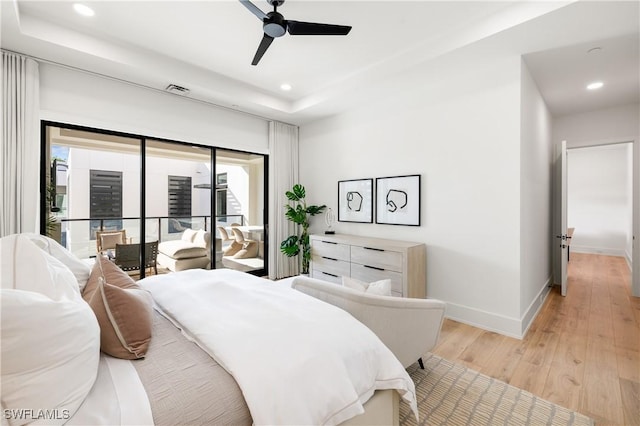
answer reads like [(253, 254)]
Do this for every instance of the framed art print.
[(355, 200), (398, 200)]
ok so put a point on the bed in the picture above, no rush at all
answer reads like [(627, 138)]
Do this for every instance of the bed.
[(196, 368)]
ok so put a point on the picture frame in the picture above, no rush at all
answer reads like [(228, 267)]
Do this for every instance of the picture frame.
[(398, 200), (355, 200)]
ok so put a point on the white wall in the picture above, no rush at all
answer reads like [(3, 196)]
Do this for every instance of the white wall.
[(76, 97), (463, 136), (238, 189), (600, 199), (536, 157), (617, 124), (81, 162)]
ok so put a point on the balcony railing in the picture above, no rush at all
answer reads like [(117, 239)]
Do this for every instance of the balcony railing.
[(78, 235)]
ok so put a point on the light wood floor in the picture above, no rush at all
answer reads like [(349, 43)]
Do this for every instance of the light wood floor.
[(581, 352)]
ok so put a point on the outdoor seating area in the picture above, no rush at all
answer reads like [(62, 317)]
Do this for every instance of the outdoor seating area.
[(237, 246), (246, 249), (191, 251)]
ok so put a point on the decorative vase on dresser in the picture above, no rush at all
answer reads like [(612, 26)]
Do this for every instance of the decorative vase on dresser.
[(371, 259)]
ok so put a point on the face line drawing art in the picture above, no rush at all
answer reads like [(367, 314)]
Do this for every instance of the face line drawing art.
[(354, 201), (396, 197)]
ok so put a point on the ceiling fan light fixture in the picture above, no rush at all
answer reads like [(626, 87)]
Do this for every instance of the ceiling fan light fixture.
[(83, 9), (595, 85), (274, 25)]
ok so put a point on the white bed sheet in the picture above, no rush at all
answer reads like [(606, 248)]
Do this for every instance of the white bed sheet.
[(116, 398), (297, 360)]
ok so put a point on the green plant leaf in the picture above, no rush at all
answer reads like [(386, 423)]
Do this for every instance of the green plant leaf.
[(297, 215), (299, 191), (290, 246), (291, 196), (314, 210)]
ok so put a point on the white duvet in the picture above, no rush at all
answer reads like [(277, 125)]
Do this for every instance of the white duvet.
[(296, 359)]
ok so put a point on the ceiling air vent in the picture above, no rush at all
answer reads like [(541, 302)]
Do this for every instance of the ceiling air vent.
[(174, 88)]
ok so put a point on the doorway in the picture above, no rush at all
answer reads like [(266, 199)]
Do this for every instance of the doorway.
[(602, 198)]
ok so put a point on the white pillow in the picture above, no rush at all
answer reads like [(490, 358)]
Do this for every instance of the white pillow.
[(26, 267), (50, 353), (381, 288), (80, 269), (200, 239), (354, 284), (188, 235)]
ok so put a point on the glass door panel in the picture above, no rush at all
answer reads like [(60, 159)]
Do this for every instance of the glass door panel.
[(240, 210), (92, 188), (178, 199)]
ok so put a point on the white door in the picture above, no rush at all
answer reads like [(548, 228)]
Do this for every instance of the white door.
[(561, 238)]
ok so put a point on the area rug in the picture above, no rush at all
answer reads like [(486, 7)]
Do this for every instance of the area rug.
[(451, 394)]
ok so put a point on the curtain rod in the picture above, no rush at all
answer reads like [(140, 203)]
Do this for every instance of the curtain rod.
[(142, 86)]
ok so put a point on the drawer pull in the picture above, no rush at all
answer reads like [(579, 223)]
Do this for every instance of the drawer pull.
[(329, 242), (372, 248), (329, 258), (331, 275), (373, 267)]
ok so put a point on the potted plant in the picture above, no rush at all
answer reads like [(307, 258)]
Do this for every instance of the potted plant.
[(299, 214), (52, 227)]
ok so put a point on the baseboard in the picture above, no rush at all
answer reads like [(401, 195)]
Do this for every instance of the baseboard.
[(489, 321), (508, 326), (598, 250), (534, 308)]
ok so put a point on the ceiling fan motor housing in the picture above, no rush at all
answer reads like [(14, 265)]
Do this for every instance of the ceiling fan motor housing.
[(275, 25)]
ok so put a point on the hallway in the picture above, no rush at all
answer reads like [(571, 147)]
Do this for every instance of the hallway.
[(581, 352)]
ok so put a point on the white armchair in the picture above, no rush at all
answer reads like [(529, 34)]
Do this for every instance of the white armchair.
[(408, 327)]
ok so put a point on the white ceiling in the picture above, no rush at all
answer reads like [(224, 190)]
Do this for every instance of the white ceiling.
[(207, 46)]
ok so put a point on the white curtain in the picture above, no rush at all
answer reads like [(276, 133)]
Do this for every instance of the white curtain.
[(20, 153), (283, 174)]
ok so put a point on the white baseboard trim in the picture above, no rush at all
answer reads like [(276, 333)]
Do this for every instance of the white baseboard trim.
[(486, 320), (508, 326), (534, 308), (598, 250)]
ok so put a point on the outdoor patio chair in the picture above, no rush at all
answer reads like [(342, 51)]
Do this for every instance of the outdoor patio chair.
[(128, 256), (107, 240)]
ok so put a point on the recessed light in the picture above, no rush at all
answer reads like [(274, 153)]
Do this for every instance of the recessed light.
[(83, 9), (595, 85), (285, 86)]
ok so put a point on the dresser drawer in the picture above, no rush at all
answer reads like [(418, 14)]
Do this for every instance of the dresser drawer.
[(333, 266), (326, 276), (384, 259), (369, 274), (331, 250)]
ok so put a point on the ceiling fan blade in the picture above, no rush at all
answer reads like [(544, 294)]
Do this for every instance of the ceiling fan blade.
[(312, 28), (264, 45), (254, 9)]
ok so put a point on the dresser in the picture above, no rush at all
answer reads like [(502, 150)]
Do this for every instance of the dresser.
[(371, 259)]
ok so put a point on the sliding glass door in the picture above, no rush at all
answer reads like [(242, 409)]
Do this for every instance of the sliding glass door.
[(95, 183), (90, 186), (178, 204), (240, 210)]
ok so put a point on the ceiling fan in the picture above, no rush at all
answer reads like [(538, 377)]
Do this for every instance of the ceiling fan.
[(274, 25)]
